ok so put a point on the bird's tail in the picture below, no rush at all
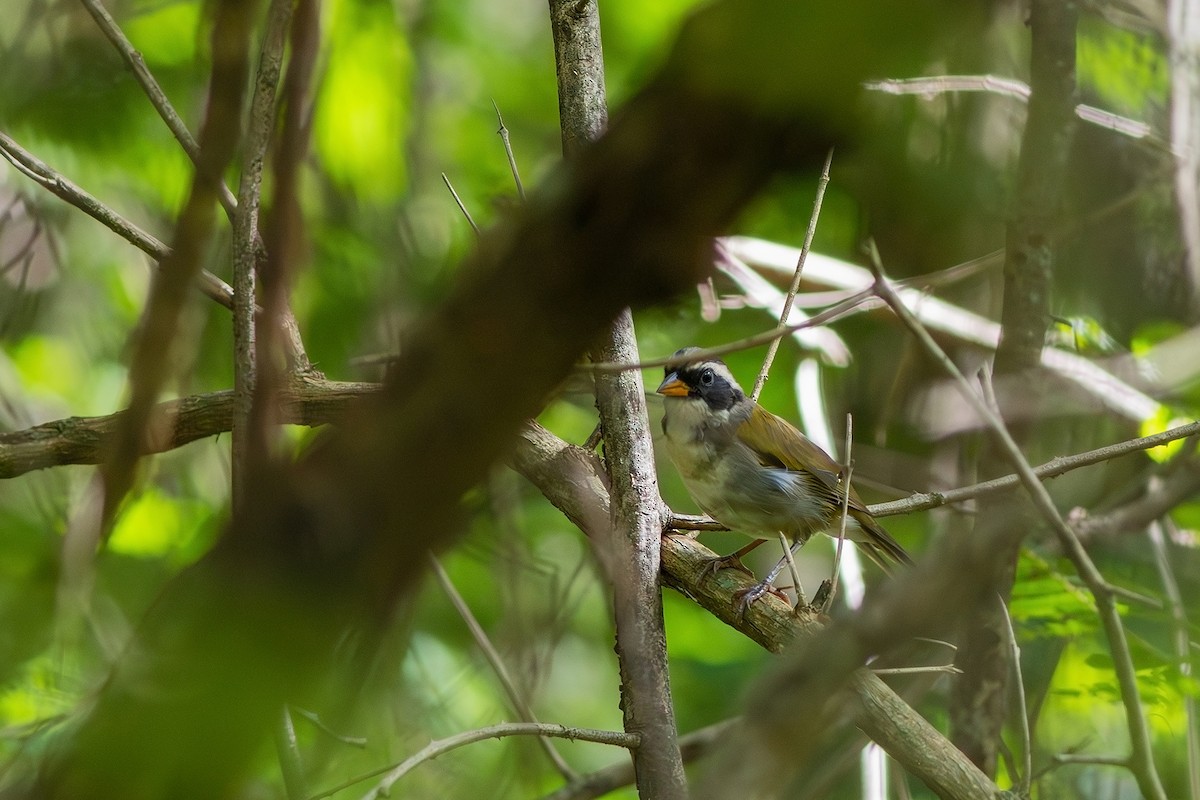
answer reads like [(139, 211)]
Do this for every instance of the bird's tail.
[(878, 545)]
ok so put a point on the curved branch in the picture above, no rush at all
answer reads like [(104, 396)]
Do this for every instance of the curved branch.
[(442, 746), (39, 172)]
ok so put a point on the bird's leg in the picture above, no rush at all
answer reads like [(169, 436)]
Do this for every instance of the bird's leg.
[(745, 597), (788, 549), (731, 561)]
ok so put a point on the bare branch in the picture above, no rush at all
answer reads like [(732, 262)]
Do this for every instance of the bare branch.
[(158, 98), (520, 704), (440, 747), (83, 440), (1141, 759), (36, 170), (572, 479), (1051, 469), (693, 746), (150, 364), (822, 183), (247, 240), (631, 552)]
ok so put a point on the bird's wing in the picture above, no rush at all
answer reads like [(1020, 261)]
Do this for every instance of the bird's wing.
[(777, 443)]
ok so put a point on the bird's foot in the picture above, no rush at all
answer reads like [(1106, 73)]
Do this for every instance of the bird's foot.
[(744, 598), (731, 561)]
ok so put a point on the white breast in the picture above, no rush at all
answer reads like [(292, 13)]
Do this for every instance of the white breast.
[(728, 482)]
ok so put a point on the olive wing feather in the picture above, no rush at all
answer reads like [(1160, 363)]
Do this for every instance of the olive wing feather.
[(777, 443)]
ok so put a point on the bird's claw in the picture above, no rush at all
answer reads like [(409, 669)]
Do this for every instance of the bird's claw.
[(744, 598), (731, 561)]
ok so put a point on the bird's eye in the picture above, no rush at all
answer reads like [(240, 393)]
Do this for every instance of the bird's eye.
[(706, 377)]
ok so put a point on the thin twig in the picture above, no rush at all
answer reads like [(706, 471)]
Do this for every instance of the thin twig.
[(773, 348), (1051, 469), (37, 171), (693, 745), (862, 298), (847, 474), (1142, 758), (508, 151), (353, 741), (158, 98), (1179, 641), (948, 669), (440, 747), (520, 704), (459, 201), (1026, 773), (288, 750)]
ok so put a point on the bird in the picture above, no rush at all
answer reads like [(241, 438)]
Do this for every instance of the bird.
[(755, 473)]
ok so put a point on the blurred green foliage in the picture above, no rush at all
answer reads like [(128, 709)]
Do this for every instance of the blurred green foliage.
[(405, 94)]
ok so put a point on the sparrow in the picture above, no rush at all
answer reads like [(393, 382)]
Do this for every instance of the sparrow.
[(755, 473)]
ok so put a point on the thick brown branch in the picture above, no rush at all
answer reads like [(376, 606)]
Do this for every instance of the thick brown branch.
[(82, 440)]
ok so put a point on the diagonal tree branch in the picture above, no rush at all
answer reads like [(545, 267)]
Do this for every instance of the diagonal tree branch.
[(36, 170), (158, 98)]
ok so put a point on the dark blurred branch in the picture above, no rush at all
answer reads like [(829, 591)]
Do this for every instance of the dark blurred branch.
[(272, 53), (631, 551), (150, 365), (278, 343), (336, 538), (1160, 497), (36, 170)]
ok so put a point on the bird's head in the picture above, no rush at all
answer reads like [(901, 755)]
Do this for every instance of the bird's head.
[(707, 380)]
